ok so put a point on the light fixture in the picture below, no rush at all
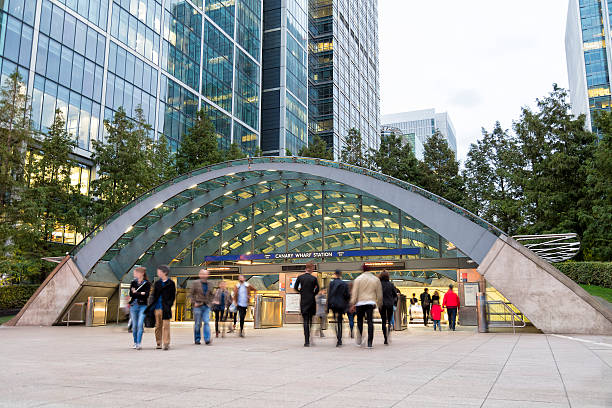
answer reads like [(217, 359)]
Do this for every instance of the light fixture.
[(309, 205), (297, 225), (279, 213), (158, 205), (355, 216), (248, 253), (227, 193), (230, 174), (169, 230), (263, 182), (192, 187), (341, 202), (131, 227), (196, 210), (225, 243), (271, 238)]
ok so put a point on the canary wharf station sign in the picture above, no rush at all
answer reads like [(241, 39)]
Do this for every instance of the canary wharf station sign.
[(320, 254)]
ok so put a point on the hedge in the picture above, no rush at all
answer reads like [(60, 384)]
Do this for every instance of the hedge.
[(15, 296), (588, 273)]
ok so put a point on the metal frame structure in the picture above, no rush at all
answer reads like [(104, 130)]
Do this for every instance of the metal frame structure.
[(551, 247)]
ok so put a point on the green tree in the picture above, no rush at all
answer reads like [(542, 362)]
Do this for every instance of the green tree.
[(440, 170), (597, 239), (318, 148), (396, 159), (234, 153), (491, 175), (199, 146), (352, 151), (557, 151), (162, 161)]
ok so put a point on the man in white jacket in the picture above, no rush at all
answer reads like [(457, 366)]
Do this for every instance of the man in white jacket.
[(365, 296)]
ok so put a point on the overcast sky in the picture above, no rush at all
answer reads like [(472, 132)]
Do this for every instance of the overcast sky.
[(479, 60)]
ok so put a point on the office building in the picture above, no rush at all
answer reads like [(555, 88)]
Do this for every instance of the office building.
[(587, 40), (343, 71), (417, 126)]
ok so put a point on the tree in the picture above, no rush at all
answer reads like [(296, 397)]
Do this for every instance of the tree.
[(199, 146), (597, 239), (162, 161), (352, 151), (557, 151), (440, 170), (234, 153), (491, 175), (318, 148), (396, 159)]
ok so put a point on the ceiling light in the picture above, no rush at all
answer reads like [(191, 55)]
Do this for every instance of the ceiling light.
[(355, 216), (192, 187), (230, 174), (278, 213), (225, 243), (196, 210), (262, 182), (169, 230), (297, 225), (309, 205), (131, 227), (341, 202), (158, 205), (227, 193), (271, 238)]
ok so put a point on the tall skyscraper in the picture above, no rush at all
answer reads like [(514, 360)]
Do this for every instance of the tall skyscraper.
[(343, 71), (417, 126), (587, 40)]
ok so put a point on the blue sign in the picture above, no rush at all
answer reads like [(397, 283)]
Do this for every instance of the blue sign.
[(321, 254)]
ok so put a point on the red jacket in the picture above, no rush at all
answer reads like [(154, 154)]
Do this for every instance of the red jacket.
[(451, 299), (436, 312)]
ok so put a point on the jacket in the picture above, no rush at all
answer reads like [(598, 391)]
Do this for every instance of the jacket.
[(338, 296), (167, 294), (367, 288), (425, 300), (217, 299), (142, 294), (197, 295), (451, 299), (250, 290), (436, 312), (308, 287), (389, 294)]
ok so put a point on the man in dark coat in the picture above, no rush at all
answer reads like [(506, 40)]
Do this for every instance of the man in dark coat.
[(337, 300), (308, 287), (164, 293), (426, 304)]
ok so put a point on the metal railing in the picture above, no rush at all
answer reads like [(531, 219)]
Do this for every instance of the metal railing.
[(502, 314), (66, 319)]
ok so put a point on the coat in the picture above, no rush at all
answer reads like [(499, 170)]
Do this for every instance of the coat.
[(451, 299), (250, 290), (425, 300), (338, 296), (436, 312), (217, 300), (197, 295), (167, 294), (308, 287), (367, 288), (389, 294)]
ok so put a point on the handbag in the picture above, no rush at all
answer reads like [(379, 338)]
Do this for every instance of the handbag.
[(232, 308), (149, 320)]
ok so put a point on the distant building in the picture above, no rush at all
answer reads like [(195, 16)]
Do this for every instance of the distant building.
[(417, 126), (410, 138), (588, 56)]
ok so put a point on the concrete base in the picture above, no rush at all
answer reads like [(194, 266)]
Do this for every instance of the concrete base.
[(548, 298), (48, 303)]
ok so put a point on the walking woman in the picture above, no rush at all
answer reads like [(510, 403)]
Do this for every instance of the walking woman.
[(389, 294), (164, 293), (220, 302), (139, 294)]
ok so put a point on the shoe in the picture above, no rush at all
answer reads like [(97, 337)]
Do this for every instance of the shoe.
[(241, 333), (339, 343), (134, 346), (166, 347), (197, 342), (386, 343), (158, 347), (139, 347), (369, 346), (217, 334), (358, 339), (208, 343), (352, 334), (306, 344)]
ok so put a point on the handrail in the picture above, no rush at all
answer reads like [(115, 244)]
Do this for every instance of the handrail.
[(511, 311), (69, 312), (294, 159)]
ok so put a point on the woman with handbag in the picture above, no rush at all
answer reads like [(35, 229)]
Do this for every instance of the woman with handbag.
[(220, 302), (139, 294)]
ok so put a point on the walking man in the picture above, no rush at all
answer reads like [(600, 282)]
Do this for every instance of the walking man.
[(426, 305), (366, 295), (201, 299), (451, 303), (164, 293), (308, 287), (337, 301), (242, 294)]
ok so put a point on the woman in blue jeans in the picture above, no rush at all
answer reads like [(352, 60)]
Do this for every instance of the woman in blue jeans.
[(139, 294)]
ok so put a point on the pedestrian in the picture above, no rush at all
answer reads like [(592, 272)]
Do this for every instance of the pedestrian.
[(365, 296), (220, 303), (242, 294), (350, 314), (451, 303), (308, 286), (139, 295), (321, 300), (426, 305), (164, 294), (436, 314), (389, 296), (231, 312), (435, 296), (338, 298), (201, 295), (414, 300)]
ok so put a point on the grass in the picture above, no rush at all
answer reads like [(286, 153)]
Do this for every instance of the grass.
[(4, 319), (602, 292)]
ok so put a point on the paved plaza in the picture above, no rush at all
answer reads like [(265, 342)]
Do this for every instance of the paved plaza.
[(94, 367)]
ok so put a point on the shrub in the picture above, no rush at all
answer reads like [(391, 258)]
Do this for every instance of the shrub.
[(15, 296), (588, 273)]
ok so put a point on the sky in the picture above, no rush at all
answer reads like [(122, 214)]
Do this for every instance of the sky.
[(478, 60)]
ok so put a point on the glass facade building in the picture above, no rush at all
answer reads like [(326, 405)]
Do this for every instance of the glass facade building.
[(588, 56), (343, 71), (417, 126), (169, 57)]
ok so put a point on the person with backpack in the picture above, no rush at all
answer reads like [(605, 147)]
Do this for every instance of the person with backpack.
[(307, 286), (452, 303), (426, 305), (164, 293), (337, 301), (389, 298), (139, 294)]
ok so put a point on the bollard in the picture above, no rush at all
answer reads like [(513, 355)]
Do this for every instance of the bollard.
[(481, 305)]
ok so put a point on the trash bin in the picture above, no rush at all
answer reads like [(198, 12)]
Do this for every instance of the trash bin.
[(96, 311), (268, 311), (400, 314)]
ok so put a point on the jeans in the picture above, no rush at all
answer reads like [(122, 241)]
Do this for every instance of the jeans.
[(425, 315), (351, 319), (338, 318), (386, 313), (242, 313), (367, 311), (137, 315), (201, 314), (452, 317), (437, 323), (307, 322)]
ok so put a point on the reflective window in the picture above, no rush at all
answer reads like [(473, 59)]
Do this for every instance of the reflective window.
[(222, 13), (246, 91), (217, 73), (248, 18)]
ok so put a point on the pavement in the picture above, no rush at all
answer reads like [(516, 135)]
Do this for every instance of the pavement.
[(94, 367)]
